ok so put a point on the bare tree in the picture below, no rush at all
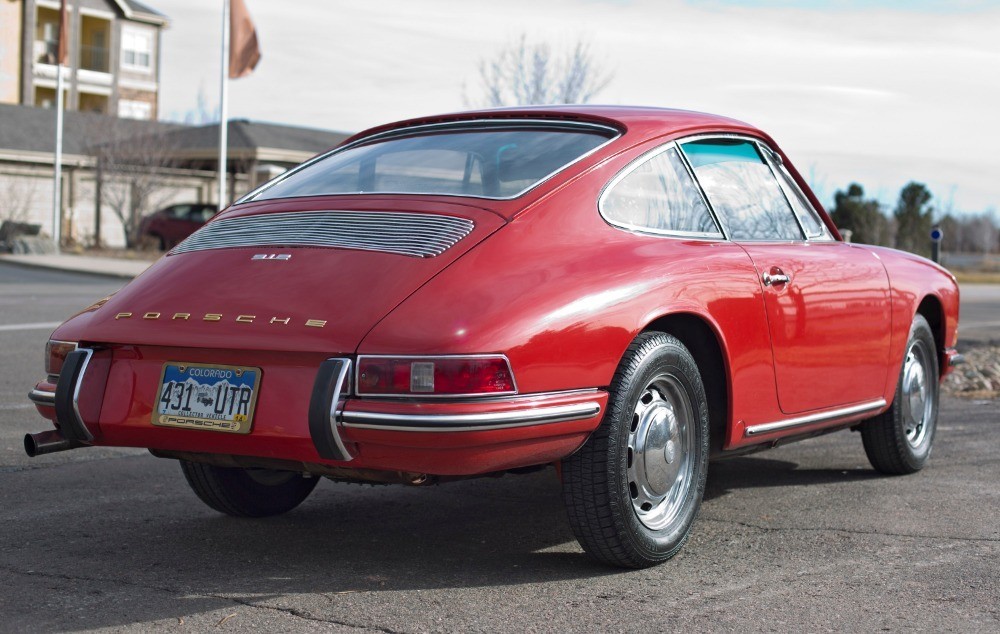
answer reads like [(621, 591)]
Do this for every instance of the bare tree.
[(133, 169), (17, 197), (525, 73)]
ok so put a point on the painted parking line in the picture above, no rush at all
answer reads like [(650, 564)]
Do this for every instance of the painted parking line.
[(42, 326)]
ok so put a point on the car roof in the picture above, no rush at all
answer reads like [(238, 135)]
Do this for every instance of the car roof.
[(645, 120)]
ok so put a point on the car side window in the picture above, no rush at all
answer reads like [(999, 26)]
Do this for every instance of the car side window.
[(179, 211), (659, 195), (742, 189), (808, 218), (201, 213)]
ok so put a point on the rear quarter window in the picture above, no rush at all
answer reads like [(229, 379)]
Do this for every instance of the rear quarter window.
[(657, 194)]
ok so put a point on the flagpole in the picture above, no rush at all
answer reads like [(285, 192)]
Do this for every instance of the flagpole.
[(223, 105), (57, 188)]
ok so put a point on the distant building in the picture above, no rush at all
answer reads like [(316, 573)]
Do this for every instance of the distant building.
[(114, 56), (102, 154)]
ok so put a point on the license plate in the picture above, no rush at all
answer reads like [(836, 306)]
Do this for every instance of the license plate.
[(209, 397)]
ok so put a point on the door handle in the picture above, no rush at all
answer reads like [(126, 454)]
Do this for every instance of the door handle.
[(777, 277)]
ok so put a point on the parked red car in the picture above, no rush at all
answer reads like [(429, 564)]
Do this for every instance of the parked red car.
[(621, 292), (168, 226)]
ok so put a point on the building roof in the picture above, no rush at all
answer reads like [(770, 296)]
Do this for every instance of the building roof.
[(27, 130), (144, 13), (33, 130), (246, 137)]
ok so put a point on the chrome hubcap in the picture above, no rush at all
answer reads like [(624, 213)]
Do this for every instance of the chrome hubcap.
[(660, 441), (918, 395)]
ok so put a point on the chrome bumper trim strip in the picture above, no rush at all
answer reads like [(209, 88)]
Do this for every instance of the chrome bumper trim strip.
[(38, 397), (756, 430), (470, 422)]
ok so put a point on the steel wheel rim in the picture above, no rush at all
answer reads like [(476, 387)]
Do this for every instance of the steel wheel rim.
[(917, 394), (660, 464)]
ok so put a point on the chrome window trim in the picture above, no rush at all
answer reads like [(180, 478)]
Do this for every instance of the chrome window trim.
[(471, 422), (799, 421), (421, 395), (481, 123), (471, 125), (708, 136), (633, 165)]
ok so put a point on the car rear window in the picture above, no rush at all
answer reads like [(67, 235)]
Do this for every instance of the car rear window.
[(498, 162)]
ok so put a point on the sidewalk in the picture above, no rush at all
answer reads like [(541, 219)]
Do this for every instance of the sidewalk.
[(113, 267)]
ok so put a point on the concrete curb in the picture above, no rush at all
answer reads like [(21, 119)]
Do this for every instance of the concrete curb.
[(87, 265)]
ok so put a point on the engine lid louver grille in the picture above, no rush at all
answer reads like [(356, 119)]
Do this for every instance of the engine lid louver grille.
[(404, 233)]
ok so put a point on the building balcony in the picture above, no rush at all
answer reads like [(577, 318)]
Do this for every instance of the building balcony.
[(95, 58)]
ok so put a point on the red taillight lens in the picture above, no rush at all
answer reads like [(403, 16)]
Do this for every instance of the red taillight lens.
[(55, 355), (435, 376)]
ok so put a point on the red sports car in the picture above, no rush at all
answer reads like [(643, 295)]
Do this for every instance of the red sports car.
[(170, 225), (621, 292)]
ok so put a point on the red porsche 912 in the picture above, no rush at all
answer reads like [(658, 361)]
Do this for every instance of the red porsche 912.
[(622, 292)]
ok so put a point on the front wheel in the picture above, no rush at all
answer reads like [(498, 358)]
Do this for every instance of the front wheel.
[(247, 492), (899, 440), (634, 488)]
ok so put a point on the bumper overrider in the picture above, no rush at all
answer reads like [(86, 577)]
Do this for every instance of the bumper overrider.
[(434, 436)]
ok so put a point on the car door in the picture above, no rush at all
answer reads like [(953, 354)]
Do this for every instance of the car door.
[(827, 302)]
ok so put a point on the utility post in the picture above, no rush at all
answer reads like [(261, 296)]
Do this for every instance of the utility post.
[(936, 236)]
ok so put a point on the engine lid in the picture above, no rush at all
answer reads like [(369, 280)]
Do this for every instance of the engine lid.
[(291, 294)]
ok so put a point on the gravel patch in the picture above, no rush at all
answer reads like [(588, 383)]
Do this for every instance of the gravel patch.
[(978, 377)]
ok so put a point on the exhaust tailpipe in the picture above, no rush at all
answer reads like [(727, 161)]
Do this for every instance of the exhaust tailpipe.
[(47, 442)]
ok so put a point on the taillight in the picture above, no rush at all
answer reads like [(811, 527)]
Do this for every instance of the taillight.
[(487, 375), (55, 355)]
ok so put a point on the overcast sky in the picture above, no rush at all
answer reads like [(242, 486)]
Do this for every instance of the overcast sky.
[(879, 92)]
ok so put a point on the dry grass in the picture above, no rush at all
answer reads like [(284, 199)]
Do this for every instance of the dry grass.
[(977, 277)]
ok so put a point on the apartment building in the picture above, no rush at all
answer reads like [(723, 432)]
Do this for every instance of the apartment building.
[(114, 56)]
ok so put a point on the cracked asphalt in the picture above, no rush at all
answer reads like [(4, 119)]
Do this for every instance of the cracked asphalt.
[(803, 537)]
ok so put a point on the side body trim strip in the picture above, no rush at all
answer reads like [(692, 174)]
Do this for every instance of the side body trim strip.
[(844, 412)]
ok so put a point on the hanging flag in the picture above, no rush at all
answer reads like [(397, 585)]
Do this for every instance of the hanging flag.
[(244, 52), (63, 53)]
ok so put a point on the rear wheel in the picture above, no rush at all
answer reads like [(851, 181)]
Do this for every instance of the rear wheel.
[(247, 492), (633, 490), (899, 440)]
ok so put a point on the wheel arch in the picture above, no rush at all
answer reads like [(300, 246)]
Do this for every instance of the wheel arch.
[(932, 309), (702, 340)]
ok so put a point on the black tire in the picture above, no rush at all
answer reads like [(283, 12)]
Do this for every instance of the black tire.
[(899, 441), (247, 492), (612, 484)]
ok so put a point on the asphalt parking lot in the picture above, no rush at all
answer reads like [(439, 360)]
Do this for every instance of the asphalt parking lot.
[(803, 537)]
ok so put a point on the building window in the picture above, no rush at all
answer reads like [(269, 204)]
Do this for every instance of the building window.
[(47, 36), (137, 49), (135, 109)]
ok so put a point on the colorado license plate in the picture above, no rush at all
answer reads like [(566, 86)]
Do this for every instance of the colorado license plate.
[(210, 397)]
